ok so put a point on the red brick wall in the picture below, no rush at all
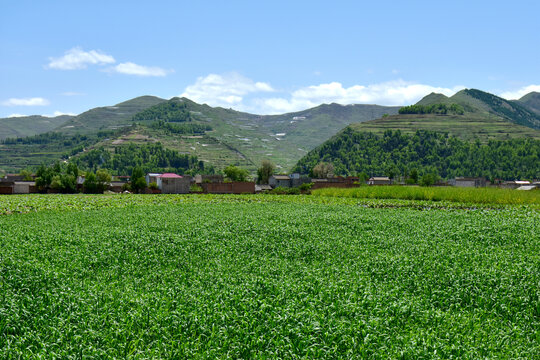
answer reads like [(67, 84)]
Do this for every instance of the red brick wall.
[(6, 189), (229, 188)]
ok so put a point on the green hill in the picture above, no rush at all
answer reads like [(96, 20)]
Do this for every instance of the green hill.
[(433, 98), (246, 139), (108, 117), (483, 118), (29, 125), (483, 103), (488, 136), (400, 155), (531, 101), (217, 136)]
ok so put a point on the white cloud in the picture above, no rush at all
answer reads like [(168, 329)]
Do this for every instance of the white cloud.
[(388, 93), (241, 93), (60, 113), (224, 90), (517, 94), (36, 101), (130, 68), (16, 115), (77, 58)]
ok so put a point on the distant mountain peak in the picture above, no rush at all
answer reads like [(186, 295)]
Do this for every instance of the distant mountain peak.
[(433, 98), (531, 101)]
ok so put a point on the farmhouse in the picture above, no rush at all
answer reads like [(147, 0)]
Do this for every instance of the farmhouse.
[(279, 181), (17, 187), (515, 184), (151, 178), (379, 180), (199, 179), (262, 188), (170, 183), (468, 182)]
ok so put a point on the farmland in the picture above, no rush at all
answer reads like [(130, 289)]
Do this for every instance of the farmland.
[(266, 276)]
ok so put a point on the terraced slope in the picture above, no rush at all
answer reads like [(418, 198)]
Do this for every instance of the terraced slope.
[(108, 117), (29, 125), (483, 126)]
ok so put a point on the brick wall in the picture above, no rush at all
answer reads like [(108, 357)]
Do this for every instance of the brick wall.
[(229, 188)]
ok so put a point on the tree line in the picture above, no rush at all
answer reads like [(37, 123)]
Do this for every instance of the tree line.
[(399, 155), (174, 128), (169, 111), (439, 109), (149, 157)]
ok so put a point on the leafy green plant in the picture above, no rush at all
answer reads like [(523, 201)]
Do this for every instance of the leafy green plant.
[(189, 276)]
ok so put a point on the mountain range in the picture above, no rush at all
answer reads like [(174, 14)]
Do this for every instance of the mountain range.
[(233, 137)]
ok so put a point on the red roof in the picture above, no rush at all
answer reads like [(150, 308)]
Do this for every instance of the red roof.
[(169, 175)]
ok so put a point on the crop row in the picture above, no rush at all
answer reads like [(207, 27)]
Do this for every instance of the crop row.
[(269, 279)]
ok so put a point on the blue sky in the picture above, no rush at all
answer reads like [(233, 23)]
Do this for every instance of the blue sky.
[(261, 56)]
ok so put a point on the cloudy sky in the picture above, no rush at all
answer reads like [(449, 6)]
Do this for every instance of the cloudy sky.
[(261, 56)]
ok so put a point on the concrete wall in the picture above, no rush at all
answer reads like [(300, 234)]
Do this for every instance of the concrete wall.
[(175, 185)]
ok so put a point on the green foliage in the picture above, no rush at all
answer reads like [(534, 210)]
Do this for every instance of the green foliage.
[(61, 178), (234, 173), (285, 191), (492, 196), (149, 157), (90, 185), (153, 186), (513, 111), (138, 181), (353, 152), (440, 109), (265, 171), (169, 111), (173, 128), (322, 170), (26, 174), (177, 277), (429, 179), (305, 187), (195, 189), (96, 183)]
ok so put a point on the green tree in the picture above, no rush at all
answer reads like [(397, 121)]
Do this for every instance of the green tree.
[(103, 179), (323, 170), (235, 173), (138, 182), (265, 171), (90, 185), (26, 174)]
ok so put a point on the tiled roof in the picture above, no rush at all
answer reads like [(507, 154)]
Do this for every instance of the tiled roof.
[(170, 175)]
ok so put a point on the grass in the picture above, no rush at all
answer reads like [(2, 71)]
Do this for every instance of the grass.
[(493, 196), (265, 277)]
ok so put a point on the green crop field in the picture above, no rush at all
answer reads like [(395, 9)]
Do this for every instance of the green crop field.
[(476, 196), (162, 276)]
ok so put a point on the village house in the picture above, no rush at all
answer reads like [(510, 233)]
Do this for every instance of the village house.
[(379, 180), (17, 187), (199, 179), (279, 181), (514, 184), (151, 178), (170, 183), (262, 188), (116, 186), (468, 182)]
